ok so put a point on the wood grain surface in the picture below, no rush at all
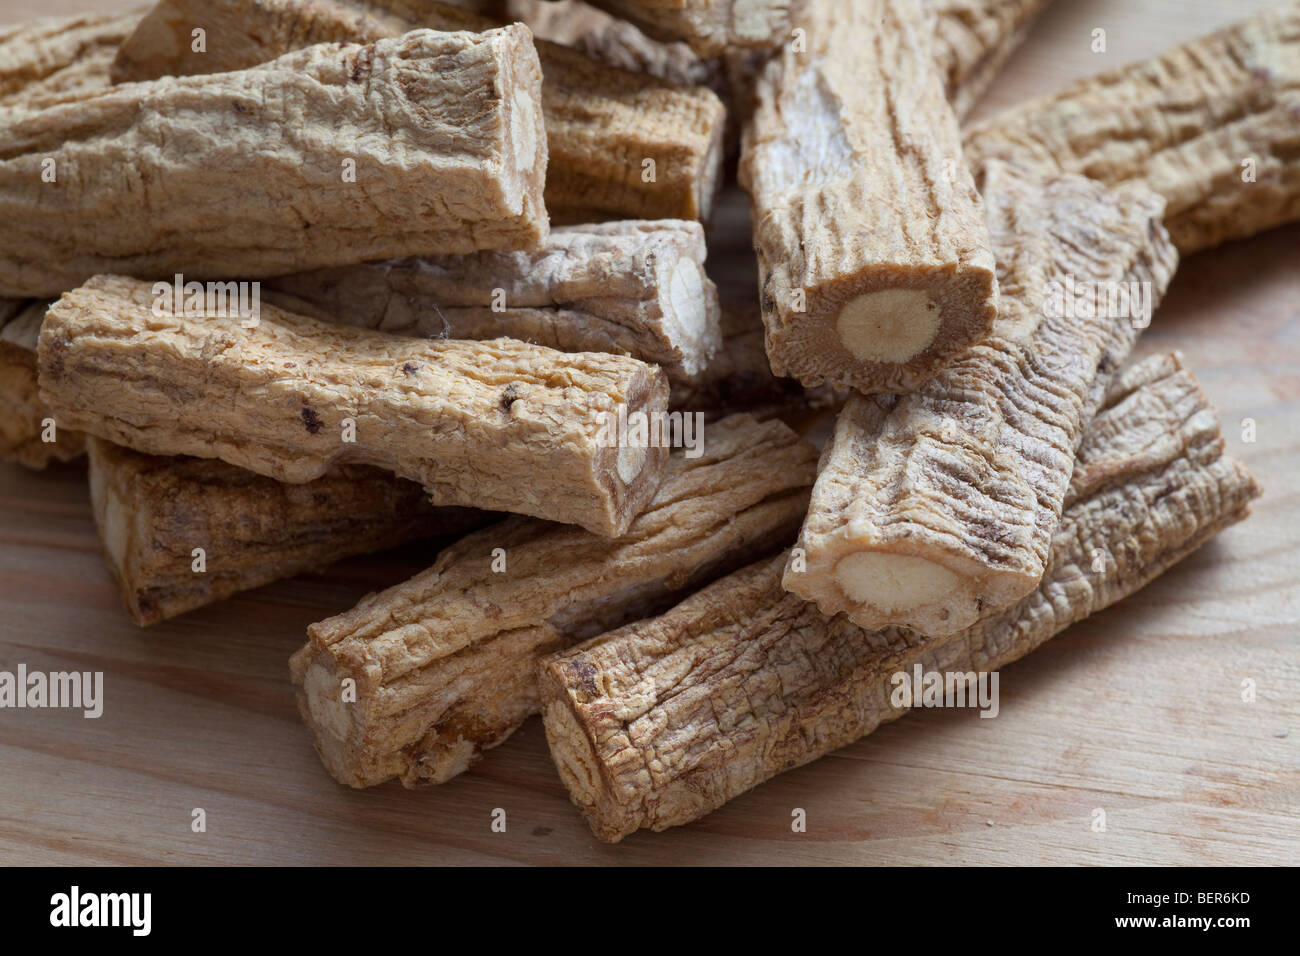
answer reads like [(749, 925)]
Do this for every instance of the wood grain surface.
[(1137, 712)]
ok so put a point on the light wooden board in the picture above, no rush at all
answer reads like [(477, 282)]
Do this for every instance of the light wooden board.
[(1137, 712)]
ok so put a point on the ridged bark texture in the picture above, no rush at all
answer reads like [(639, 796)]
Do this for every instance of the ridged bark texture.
[(498, 425), (1212, 125), (875, 266), (613, 41), (711, 27), (152, 511), (602, 124), (633, 288), (937, 508), (973, 40), (432, 142), (444, 664), (663, 721), (44, 59)]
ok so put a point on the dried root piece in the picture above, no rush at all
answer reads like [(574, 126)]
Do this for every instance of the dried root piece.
[(621, 145), (497, 425), (23, 415), (710, 27), (444, 665), (153, 511), (936, 509), (56, 56), (432, 142), (1211, 126), (628, 146), (614, 42), (874, 256), (634, 288), (973, 40), (665, 720), (239, 34)]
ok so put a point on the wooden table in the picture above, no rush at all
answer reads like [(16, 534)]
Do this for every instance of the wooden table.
[(1138, 711)]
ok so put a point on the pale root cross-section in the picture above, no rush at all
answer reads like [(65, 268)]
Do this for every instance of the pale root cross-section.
[(891, 325), (894, 582)]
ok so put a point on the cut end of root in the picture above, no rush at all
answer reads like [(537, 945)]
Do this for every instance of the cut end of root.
[(113, 530), (523, 131), (580, 770), (894, 582), (574, 759), (685, 309), (324, 702), (686, 294), (631, 460), (891, 325)]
